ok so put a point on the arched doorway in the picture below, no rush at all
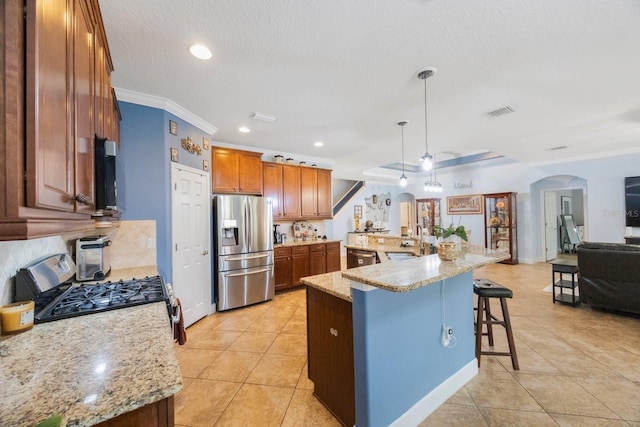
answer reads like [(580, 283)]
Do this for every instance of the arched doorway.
[(557, 195)]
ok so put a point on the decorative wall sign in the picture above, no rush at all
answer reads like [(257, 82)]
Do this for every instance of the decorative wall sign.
[(205, 165), (192, 148), (173, 127), (378, 207), (205, 143), (470, 204), (174, 154)]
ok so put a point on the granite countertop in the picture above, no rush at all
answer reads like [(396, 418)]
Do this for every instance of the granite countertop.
[(381, 250), (90, 368), (305, 242), (331, 283), (420, 271)]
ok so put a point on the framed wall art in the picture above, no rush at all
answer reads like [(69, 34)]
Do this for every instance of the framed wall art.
[(470, 204), (205, 143), (174, 154), (205, 165), (173, 127)]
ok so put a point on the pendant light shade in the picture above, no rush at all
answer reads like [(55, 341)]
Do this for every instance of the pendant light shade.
[(427, 159), (403, 178), (433, 186)]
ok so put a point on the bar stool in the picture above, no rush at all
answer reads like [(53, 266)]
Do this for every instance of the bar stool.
[(486, 289)]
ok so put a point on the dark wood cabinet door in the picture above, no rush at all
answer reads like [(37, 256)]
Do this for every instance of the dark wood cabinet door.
[(157, 414), (282, 272), (272, 186), (318, 262), (330, 352), (290, 192), (324, 200), (250, 173), (224, 171), (299, 268), (333, 257), (50, 106), (84, 85), (309, 192)]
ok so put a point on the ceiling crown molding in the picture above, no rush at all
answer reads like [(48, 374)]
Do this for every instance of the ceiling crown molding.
[(165, 104)]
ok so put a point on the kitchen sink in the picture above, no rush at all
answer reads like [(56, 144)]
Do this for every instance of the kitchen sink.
[(400, 256)]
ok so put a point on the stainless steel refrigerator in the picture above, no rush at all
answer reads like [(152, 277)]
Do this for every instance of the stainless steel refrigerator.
[(243, 257)]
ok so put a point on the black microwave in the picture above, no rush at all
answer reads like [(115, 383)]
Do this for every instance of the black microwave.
[(105, 172)]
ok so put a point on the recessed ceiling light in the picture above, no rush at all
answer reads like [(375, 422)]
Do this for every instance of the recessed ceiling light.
[(244, 129), (318, 143), (200, 51)]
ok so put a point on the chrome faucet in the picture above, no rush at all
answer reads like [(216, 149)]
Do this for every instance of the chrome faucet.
[(421, 242)]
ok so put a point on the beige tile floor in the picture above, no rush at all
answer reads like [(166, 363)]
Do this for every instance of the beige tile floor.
[(578, 366)]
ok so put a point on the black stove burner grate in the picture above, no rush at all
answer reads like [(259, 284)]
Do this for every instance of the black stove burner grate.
[(92, 298)]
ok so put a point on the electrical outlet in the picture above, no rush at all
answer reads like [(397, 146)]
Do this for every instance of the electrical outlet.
[(151, 243), (447, 334)]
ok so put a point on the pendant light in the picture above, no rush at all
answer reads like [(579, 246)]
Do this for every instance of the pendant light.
[(433, 186), (403, 178), (427, 159)]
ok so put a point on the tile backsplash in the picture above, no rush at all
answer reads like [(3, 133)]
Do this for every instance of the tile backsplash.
[(133, 245)]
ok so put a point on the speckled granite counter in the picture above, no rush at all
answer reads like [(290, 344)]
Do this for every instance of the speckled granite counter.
[(420, 271), (89, 369), (382, 250), (331, 283), (305, 242)]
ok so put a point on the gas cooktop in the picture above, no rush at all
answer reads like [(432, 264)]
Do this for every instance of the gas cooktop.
[(67, 300)]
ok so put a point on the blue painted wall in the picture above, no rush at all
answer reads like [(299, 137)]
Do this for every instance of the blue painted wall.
[(398, 355), (144, 175)]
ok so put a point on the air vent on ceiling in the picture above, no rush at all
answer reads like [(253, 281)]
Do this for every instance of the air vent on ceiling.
[(263, 117), (500, 112)]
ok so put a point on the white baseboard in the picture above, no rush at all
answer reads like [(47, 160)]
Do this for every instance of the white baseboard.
[(429, 403)]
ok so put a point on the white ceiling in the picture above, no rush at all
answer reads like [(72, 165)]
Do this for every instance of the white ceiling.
[(344, 72)]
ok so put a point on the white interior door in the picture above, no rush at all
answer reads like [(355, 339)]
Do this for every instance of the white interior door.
[(550, 225), (191, 240)]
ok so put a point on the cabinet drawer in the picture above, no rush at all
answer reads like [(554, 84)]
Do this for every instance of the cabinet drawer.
[(320, 247), (300, 250), (333, 246), (281, 252)]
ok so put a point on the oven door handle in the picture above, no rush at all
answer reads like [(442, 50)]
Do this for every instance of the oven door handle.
[(242, 258), (264, 270)]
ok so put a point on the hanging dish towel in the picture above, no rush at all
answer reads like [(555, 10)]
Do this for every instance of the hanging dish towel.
[(179, 333)]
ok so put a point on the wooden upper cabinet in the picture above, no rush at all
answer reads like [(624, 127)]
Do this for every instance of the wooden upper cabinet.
[(235, 171), (325, 202), (316, 193), (52, 74), (309, 192), (60, 92), (282, 184)]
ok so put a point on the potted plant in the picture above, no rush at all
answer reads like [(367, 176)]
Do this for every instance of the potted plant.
[(445, 233), (447, 250)]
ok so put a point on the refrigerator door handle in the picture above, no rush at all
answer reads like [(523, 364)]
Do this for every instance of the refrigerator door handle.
[(248, 222), (242, 258), (247, 273)]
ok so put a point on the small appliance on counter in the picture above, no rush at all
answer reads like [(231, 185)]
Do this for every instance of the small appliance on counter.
[(277, 234), (93, 257), (47, 281)]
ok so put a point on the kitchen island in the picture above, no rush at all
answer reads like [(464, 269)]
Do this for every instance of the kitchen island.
[(401, 370), (93, 368)]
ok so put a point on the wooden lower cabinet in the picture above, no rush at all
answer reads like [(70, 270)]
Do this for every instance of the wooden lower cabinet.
[(282, 267), (293, 262), (333, 257), (330, 353), (158, 414), (299, 263), (317, 259)]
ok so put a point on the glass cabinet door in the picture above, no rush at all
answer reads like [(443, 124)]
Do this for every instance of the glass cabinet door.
[(500, 224), (428, 214)]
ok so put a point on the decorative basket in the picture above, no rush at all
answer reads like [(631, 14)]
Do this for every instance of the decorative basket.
[(448, 251)]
